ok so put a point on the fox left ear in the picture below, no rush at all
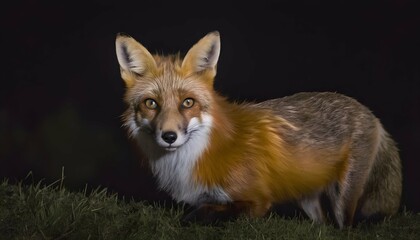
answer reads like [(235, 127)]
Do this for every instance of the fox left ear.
[(203, 55)]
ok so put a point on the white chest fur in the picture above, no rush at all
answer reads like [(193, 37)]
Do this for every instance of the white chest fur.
[(174, 169)]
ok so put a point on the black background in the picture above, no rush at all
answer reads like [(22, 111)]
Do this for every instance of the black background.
[(61, 92)]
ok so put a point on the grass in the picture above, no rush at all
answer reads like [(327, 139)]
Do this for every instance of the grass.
[(38, 211)]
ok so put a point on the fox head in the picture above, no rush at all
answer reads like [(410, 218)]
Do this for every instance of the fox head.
[(169, 98)]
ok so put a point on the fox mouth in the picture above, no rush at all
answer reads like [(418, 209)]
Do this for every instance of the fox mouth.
[(195, 131), (170, 148)]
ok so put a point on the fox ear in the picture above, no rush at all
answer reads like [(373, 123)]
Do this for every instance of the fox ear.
[(203, 55), (134, 59)]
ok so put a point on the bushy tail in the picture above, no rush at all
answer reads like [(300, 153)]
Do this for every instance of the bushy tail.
[(383, 190)]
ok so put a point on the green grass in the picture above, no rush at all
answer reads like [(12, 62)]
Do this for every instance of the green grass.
[(37, 211)]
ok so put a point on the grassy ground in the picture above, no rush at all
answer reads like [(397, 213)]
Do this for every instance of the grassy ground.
[(52, 212)]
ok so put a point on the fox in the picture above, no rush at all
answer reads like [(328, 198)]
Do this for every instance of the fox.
[(227, 158)]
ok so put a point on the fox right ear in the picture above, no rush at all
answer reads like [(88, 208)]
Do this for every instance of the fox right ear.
[(134, 59)]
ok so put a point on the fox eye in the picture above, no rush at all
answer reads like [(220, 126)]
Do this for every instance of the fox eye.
[(150, 103), (188, 102)]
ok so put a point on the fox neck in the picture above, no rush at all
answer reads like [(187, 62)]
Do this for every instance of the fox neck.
[(196, 171), (174, 169)]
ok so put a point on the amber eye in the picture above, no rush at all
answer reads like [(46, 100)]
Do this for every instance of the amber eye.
[(150, 103), (188, 102)]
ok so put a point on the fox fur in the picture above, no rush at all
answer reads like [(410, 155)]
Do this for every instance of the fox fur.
[(222, 156)]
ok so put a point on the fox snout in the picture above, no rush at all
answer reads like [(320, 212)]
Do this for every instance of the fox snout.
[(172, 138), (171, 129)]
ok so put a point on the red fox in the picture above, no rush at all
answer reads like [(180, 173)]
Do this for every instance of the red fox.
[(225, 157)]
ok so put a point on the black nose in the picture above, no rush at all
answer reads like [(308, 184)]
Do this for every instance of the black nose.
[(169, 137)]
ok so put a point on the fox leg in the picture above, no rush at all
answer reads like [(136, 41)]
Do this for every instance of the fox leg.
[(259, 209), (312, 207), (345, 196), (209, 213)]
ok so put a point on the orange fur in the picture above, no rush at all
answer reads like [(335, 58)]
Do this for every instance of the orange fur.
[(231, 158), (249, 159)]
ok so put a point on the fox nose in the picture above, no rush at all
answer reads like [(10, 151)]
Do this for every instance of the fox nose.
[(169, 137)]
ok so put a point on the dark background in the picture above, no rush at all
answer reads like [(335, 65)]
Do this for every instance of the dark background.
[(61, 92)]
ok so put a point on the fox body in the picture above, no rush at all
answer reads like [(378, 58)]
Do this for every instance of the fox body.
[(227, 157)]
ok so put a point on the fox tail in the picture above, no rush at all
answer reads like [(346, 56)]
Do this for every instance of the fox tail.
[(384, 187)]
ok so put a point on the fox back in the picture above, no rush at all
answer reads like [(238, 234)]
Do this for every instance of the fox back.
[(224, 157)]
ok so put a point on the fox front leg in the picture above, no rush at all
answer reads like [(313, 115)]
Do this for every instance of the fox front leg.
[(209, 213)]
